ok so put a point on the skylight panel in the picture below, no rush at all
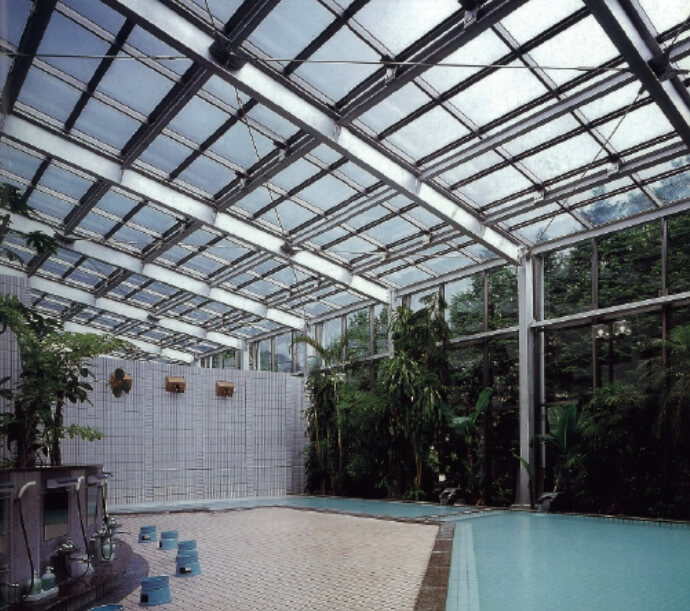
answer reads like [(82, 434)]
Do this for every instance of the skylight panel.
[(256, 200), (224, 91), (54, 268), (18, 162), (289, 215), (106, 124), (295, 174), (15, 14), (287, 275), (228, 251), (95, 223), (200, 237), (353, 247), (395, 107), (84, 278), (425, 217), (407, 276), (329, 236), (64, 37), (550, 229), (326, 154), (496, 185), (58, 104), (116, 203), (335, 80), (428, 133), (326, 192), (672, 188), (149, 45), (536, 16), (582, 44), (563, 157), (343, 299), (665, 14), (154, 220), (290, 27), (639, 126), (359, 175), (486, 48), (392, 230), (165, 153), (367, 217), (471, 167), (444, 264), (399, 24), (498, 93), (146, 298), (207, 174), (132, 239), (132, 83), (198, 120), (261, 288), (603, 105), (64, 181), (541, 134), (601, 190), (221, 9), (98, 13), (47, 204), (274, 122), (238, 146), (616, 207)]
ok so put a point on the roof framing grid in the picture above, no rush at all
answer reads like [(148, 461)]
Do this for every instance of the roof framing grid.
[(193, 41), (168, 353), (85, 298), (626, 29), (153, 271)]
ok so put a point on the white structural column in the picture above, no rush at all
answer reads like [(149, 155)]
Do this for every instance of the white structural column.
[(165, 23), (527, 378)]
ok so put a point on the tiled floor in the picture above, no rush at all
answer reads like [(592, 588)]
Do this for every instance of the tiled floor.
[(279, 558)]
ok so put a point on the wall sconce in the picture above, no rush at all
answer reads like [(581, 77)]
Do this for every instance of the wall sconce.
[(621, 327), (224, 389), (600, 331), (174, 384)]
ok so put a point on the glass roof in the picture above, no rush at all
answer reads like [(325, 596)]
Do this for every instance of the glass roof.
[(365, 147)]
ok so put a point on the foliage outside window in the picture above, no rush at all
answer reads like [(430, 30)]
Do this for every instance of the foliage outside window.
[(381, 329), (568, 363), (465, 310), (678, 264), (358, 334), (503, 297), (283, 355), (568, 280), (264, 355)]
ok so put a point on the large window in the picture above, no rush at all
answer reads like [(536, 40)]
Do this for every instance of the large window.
[(283, 353), (567, 363), (678, 266), (503, 297), (568, 280), (465, 305)]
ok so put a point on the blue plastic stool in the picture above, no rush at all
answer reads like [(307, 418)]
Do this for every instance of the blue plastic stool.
[(186, 545), (187, 563), (147, 534), (155, 591), (168, 539), (108, 608)]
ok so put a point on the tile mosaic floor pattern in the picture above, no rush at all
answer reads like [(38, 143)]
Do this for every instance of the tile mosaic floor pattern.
[(279, 558)]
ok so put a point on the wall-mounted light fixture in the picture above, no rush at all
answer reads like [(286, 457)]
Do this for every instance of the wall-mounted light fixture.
[(174, 384), (621, 327), (608, 330), (224, 389), (600, 331)]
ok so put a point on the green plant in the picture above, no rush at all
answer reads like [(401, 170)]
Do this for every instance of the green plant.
[(54, 374), (120, 382), (563, 427)]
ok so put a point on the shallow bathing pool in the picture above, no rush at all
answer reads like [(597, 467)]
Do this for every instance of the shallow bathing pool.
[(522, 561)]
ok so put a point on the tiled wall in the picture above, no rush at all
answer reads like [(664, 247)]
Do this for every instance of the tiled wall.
[(193, 445)]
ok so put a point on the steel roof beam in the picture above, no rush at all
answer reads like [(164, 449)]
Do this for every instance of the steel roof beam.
[(64, 148), (196, 43), (626, 29), (153, 271)]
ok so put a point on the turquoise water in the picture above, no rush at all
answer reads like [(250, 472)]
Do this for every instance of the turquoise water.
[(522, 562), (394, 509)]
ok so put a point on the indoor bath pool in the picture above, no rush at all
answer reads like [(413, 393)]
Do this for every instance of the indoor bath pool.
[(525, 561)]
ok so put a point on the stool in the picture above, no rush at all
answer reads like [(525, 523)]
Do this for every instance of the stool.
[(147, 534), (187, 563), (186, 545), (168, 539), (155, 591)]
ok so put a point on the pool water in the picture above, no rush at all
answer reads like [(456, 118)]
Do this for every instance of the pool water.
[(523, 561)]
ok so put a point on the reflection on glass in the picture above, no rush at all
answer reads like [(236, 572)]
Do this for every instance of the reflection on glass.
[(283, 355), (358, 334), (264, 355), (55, 513), (92, 497)]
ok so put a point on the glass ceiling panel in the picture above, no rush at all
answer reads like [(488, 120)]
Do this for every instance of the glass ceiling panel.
[(49, 205), (15, 14), (153, 219), (399, 24), (392, 230), (58, 104), (640, 125), (165, 153), (597, 192), (64, 182), (573, 153), (367, 217), (289, 215), (115, 203), (326, 154), (665, 15), (353, 247), (602, 105), (98, 13), (106, 124), (583, 44), (424, 216), (536, 16), (198, 120), (207, 174), (64, 37), (261, 288), (445, 264), (359, 175), (199, 238), (550, 229), (222, 9), (335, 80), (395, 107), (96, 223), (274, 122), (326, 192), (287, 275), (147, 44), (132, 83), (132, 238), (407, 276), (428, 133), (295, 174), (471, 167), (256, 200), (228, 250), (18, 162), (484, 49), (55, 268), (498, 93), (290, 27), (203, 264), (225, 91), (673, 188), (238, 146), (329, 236), (541, 134), (80, 276), (495, 186), (616, 207)]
